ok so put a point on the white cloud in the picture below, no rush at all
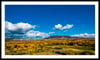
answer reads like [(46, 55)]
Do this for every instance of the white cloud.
[(58, 26), (18, 26), (65, 28), (32, 33), (10, 26), (84, 35), (24, 26)]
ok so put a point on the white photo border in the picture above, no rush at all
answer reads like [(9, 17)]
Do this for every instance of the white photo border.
[(49, 3)]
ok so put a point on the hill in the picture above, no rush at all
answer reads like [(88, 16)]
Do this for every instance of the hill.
[(61, 37)]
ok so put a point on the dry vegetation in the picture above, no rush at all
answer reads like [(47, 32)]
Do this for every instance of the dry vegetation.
[(51, 47)]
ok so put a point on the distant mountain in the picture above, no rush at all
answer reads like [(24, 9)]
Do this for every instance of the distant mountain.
[(48, 38), (60, 37)]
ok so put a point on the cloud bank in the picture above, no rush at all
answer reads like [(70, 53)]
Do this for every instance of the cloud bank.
[(23, 30), (85, 35)]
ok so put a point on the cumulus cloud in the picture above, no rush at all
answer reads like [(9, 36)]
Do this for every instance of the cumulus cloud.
[(10, 26), (65, 28), (32, 33), (17, 30), (58, 26), (84, 35), (22, 27)]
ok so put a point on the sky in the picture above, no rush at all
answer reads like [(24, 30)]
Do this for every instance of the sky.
[(41, 21)]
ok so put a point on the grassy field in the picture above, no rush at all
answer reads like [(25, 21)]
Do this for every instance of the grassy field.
[(51, 47)]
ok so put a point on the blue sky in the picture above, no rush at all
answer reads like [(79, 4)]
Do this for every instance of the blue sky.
[(45, 17)]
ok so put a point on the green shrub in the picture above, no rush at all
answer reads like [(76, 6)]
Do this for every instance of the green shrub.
[(86, 53), (57, 48)]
